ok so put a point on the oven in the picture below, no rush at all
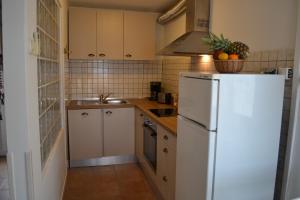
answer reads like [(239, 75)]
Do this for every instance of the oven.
[(150, 142)]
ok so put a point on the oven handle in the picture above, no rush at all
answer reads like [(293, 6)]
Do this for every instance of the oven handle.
[(153, 132)]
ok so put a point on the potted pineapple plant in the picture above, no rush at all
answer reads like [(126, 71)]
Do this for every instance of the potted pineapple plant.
[(228, 56)]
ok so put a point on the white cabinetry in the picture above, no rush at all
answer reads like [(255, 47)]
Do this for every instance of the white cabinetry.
[(111, 34), (118, 131), (139, 35), (82, 33), (165, 176), (166, 163), (96, 133), (85, 134)]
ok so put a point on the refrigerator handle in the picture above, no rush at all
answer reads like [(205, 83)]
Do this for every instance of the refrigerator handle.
[(197, 123)]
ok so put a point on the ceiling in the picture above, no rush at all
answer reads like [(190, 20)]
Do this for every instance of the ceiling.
[(144, 5)]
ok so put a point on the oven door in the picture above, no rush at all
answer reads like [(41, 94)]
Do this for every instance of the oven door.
[(150, 142)]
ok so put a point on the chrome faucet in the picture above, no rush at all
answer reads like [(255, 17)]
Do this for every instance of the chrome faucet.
[(103, 97)]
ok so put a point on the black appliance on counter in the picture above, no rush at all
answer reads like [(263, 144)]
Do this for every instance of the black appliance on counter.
[(165, 98), (155, 88), (150, 142)]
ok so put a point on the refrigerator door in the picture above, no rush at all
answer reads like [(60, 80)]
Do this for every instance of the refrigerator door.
[(198, 100), (194, 161)]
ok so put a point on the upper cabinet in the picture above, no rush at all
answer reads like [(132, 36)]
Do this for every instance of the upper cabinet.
[(82, 33), (139, 35), (111, 34)]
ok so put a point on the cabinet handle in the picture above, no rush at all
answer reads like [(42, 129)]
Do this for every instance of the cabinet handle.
[(84, 114), (128, 55), (91, 55), (102, 55), (165, 150), (166, 137), (141, 115), (108, 112), (165, 179)]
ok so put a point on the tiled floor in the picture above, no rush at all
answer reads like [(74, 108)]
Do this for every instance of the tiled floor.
[(118, 182), (4, 193)]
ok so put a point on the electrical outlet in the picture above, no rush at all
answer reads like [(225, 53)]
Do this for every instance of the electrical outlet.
[(287, 72)]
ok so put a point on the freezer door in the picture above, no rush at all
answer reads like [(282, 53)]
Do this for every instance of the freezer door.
[(194, 161), (198, 100)]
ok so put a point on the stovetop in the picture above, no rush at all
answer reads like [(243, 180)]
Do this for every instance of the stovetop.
[(165, 112)]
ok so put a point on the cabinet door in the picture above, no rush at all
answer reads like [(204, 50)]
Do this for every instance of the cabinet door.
[(110, 34), (82, 33), (162, 167), (171, 163), (166, 163), (118, 131), (139, 135), (139, 35), (85, 134)]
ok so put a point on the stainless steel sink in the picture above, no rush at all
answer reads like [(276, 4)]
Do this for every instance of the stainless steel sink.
[(88, 102), (97, 102), (115, 101)]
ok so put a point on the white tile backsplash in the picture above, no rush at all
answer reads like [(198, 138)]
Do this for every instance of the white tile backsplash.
[(126, 79), (255, 63)]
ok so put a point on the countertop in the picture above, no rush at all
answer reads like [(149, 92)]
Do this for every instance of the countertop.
[(169, 123)]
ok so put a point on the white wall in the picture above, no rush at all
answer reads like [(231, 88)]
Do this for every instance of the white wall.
[(16, 90), (20, 81), (54, 175), (263, 24), (292, 187)]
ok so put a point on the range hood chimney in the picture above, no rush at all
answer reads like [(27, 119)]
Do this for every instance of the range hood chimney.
[(197, 27)]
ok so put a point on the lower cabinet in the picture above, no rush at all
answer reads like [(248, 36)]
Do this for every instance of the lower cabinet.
[(95, 133), (166, 163), (85, 134), (164, 178), (118, 131)]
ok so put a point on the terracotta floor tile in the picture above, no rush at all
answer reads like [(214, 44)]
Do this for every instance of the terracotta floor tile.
[(119, 182), (129, 172)]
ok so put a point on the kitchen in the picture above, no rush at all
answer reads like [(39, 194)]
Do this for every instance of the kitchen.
[(149, 100)]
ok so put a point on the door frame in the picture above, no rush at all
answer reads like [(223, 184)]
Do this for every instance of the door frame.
[(293, 148)]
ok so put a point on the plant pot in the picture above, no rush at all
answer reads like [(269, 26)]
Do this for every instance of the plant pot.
[(229, 66)]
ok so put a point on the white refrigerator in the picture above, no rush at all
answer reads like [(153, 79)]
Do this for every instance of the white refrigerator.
[(228, 136)]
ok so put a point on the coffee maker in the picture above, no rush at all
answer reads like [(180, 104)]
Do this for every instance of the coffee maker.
[(155, 88)]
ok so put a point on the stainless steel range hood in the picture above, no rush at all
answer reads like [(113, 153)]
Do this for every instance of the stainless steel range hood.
[(197, 26)]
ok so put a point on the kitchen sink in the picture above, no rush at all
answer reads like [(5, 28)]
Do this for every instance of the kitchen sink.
[(115, 101), (97, 102), (88, 102)]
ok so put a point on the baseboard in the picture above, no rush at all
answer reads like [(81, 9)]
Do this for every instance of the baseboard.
[(102, 161), (64, 185)]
